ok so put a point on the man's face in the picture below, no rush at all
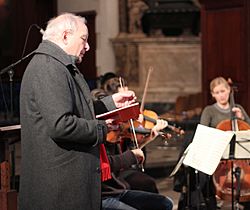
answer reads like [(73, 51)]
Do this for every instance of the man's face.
[(78, 42)]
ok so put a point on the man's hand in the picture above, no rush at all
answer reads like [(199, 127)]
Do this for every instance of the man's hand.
[(124, 98)]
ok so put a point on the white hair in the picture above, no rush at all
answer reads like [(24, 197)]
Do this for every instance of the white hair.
[(57, 25)]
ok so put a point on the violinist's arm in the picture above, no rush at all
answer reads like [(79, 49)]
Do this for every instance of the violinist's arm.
[(122, 161)]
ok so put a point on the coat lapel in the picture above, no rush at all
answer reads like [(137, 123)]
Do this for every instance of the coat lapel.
[(81, 82)]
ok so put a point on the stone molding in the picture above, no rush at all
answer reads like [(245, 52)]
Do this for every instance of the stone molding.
[(176, 62)]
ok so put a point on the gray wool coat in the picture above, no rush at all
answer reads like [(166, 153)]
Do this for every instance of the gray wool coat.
[(60, 137)]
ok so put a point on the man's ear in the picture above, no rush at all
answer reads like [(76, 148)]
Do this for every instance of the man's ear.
[(65, 35)]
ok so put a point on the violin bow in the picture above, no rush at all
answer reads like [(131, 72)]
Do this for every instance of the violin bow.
[(146, 88), (133, 127)]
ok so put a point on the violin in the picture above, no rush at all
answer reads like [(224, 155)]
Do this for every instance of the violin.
[(151, 118), (144, 128), (225, 183), (113, 136)]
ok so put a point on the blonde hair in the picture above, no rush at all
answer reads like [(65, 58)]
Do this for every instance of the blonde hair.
[(218, 81), (57, 25)]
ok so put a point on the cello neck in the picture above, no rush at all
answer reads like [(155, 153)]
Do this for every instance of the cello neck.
[(234, 122)]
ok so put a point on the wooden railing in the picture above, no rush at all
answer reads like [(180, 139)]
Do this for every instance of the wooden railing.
[(8, 196)]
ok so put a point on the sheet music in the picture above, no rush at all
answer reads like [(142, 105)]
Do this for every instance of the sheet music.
[(207, 148), (242, 145)]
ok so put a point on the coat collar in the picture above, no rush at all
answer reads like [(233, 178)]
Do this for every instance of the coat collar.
[(49, 48)]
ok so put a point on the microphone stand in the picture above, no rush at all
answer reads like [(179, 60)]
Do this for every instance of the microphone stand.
[(11, 66), (10, 71)]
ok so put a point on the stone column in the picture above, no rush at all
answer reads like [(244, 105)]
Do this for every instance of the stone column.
[(123, 17)]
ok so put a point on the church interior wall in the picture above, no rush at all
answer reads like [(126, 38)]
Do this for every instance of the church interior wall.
[(107, 56), (106, 27)]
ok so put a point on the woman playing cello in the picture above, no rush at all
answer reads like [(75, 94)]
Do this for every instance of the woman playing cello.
[(214, 114)]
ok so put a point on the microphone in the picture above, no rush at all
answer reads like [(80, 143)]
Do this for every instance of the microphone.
[(39, 28)]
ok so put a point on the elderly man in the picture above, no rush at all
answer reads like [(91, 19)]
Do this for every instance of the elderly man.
[(61, 138)]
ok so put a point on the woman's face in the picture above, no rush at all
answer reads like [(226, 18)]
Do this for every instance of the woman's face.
[(221, 94)]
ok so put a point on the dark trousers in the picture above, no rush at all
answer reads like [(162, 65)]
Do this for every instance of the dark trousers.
[(139, 200)]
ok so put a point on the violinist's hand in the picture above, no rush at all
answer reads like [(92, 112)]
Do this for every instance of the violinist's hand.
[(139, 155), (124, 98), (111, 125), (140, 118), (160, 125), (238, 113)]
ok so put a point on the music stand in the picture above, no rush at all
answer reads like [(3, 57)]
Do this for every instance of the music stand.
[(176, 169), (238, 149), (205, 151)]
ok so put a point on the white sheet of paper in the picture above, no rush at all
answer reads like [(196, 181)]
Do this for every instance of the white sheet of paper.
[(207, 148), (242, 146)]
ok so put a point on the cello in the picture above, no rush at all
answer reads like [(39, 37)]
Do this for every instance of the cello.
[(232, 176)]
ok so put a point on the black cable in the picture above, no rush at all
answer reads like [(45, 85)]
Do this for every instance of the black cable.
[(9, 68), (27, 36)]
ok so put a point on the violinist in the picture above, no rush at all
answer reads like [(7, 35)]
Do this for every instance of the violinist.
[(116, 192), (213, 114), (134, 176)]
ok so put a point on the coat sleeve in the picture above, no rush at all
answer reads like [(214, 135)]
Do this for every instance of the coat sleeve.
[(109, 103), (99, 107)]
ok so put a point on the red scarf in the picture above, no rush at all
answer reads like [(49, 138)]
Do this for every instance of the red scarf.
[(105, 166)]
